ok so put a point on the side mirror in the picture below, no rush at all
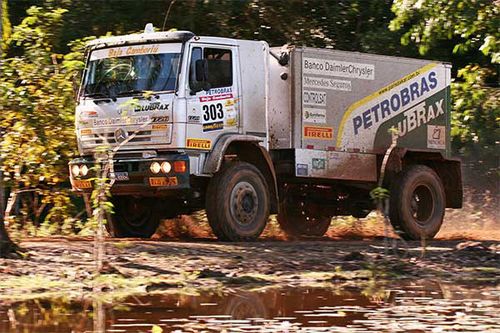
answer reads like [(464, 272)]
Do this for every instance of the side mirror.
[(201, 70), (201, 76)]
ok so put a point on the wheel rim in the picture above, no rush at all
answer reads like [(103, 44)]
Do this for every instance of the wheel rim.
[(422, 204), (244, 203)]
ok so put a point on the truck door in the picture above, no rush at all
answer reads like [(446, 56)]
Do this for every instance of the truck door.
[(212, 101)]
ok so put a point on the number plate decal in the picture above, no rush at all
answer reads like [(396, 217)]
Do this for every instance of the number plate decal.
[(82, 183), (163, 181), (121, 176)]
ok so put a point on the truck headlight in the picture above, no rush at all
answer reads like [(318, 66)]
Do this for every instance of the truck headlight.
[(166, 167), (84, 170), (75, 170), (155, 167)]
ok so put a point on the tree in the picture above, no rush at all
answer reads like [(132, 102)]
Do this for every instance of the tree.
[(37, 87), (464, 32)]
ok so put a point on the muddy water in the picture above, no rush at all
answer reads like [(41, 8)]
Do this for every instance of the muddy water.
[(412, 307)]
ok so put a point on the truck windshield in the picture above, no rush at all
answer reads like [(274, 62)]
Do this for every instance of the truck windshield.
[(130, 70)]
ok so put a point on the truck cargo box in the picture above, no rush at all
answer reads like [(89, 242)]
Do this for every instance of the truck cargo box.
[(347, 102)]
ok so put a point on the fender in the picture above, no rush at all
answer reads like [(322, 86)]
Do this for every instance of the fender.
[(448, 169), (216, 156), (252, 152)]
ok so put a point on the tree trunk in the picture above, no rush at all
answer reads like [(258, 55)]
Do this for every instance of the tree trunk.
[(6, 245)]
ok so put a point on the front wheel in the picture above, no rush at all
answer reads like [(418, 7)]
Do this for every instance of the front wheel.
[(237, 202), (133, 217), (417, 203)]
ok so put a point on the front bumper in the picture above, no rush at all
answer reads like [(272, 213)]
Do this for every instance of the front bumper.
[(134, 177)]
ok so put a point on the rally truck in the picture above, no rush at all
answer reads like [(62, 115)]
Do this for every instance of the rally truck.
[(244, 130)]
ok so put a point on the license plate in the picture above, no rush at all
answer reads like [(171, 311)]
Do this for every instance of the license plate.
[(122, 175), (82, 183), (163, 181)]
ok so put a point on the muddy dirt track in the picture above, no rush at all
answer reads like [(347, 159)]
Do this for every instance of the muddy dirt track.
[(184, 254), (67, 265)]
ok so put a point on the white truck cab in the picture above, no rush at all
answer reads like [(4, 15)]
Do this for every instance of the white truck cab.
[(244, 130)]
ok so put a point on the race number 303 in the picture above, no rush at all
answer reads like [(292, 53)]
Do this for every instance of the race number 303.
[(213, 112)]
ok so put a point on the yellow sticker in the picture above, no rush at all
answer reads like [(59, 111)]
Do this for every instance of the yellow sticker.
[(163, 181), (231, 122), (157, 127), (82, 183), (86, 131), (199, 143)]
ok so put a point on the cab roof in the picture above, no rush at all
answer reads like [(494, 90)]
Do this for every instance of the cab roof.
[(152, 37)]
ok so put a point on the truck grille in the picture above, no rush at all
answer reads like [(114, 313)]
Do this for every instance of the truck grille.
[(142, 138)]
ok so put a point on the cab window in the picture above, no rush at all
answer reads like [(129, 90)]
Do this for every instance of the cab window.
[(219, 71)]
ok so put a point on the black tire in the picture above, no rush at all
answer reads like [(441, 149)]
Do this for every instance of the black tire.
[(417, 203), (302, 224), (237, 202), (133, 217), (297, 218)]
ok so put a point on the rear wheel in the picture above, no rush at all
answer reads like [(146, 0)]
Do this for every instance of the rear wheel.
[(133, 217), (237, 202), (417, 203), (299, 218)]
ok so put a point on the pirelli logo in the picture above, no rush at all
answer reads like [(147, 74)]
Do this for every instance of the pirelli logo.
[(199, 144), (318, 133)]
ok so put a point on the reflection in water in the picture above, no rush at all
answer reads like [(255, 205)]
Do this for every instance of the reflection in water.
[(413, 307), (99, 316)]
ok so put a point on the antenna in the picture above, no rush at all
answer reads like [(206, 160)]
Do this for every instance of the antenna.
[(166, 15)]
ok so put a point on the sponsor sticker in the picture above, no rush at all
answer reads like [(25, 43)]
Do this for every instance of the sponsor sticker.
[(302, 170), (159, 127), (313, 82), (319, 163), (120, 121), (317, 98), (231, 122), (318, 133), (314, 115), (90, 114), (436, 137), (85, 131), (332, 67), (127, 51), (156, 106), (163, 181), (160, 119), (199, 143), (218, 91), (213, 126), (215, 97), (193, 119)]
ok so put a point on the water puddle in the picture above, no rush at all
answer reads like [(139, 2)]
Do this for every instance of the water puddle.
[(422, 307)]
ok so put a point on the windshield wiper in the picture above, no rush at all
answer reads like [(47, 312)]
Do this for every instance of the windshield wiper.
[(131, 92), (96, 94)]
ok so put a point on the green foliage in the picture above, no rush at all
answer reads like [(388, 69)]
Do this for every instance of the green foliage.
[(6, 28), (379, 193), (471, 24), (468, 31), (476, 110), (37, 110)]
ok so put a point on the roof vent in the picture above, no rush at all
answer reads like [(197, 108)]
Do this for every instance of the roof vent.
[(149, 28)]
